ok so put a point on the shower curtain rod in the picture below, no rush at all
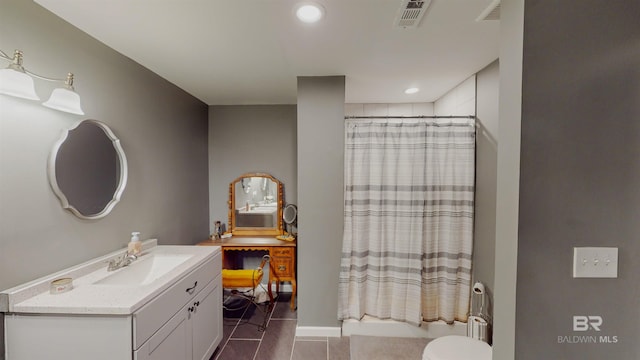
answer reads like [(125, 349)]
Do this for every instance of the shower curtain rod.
[(413, 117)]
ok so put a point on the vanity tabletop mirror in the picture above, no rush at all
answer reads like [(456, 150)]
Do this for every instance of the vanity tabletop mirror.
[(255, 205)]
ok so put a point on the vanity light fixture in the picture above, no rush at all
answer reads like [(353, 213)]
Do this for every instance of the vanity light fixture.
[(412, 90), (309, 12), (17, 81)]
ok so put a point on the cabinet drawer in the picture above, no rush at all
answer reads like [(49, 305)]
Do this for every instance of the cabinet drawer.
[(283, 267), (282, 251), (162, 308)]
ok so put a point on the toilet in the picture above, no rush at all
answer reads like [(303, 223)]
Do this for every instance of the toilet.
[(456, 347)]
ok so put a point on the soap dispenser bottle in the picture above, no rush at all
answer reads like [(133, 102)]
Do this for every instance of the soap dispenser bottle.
[(135, 246)]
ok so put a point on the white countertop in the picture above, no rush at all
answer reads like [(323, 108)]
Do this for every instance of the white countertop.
[(87, 297)]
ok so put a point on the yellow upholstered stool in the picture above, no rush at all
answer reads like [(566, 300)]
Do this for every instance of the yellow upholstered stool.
[(241, 278), (249, 280)]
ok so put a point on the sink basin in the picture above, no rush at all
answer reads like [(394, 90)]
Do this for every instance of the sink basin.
[(144, 270), (273, 204), (258, 210)]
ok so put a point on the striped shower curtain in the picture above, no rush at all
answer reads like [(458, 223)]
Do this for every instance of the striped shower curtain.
[(408, 220)]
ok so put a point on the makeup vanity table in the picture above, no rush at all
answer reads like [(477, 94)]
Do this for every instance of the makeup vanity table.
[(283, 257), (255, 210)]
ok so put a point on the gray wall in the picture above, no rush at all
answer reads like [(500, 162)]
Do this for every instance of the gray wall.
[(320, 197), (504, 292), (580, 175), (162, 130), (484, 245), (250, 138)]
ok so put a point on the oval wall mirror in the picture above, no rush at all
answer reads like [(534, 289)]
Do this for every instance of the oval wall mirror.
[(88, 169)]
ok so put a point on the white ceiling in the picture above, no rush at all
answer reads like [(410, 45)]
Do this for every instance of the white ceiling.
[(251, 51)]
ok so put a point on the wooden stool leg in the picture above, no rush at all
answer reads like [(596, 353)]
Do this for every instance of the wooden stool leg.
[(293, 294), (269, 291)]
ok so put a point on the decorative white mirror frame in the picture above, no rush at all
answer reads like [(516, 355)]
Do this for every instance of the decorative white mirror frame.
[(122, 181)]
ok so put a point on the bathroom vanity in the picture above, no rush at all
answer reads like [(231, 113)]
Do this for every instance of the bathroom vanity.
[(256, 223), (166, 305), (282, 254)]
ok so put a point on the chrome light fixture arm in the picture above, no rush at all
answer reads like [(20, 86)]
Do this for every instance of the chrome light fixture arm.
[(16, 61), (63, 99), (68, 82), (16, 64)]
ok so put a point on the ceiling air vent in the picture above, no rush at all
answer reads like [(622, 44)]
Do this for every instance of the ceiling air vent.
[(411, 12), (492, 12)]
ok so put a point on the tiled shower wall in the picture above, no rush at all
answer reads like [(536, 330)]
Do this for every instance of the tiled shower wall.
[(406, 109), (461, 100)]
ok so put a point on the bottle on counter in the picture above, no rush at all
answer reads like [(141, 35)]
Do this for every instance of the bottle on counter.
[(135, 245)]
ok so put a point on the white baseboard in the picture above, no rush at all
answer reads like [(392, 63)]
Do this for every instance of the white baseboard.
[(322, 331), (287, 288), (284, 288)]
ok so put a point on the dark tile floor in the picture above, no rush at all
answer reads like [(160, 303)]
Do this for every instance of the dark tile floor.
[(242, 338)]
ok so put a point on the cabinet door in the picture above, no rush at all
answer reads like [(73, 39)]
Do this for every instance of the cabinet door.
[(171, 342), (64, 336), (206, 320)]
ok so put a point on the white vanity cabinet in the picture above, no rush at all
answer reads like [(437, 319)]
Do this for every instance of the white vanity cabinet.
[(179, 318), (193, 332)]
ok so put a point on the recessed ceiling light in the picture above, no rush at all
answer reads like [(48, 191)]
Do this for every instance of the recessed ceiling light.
[(309, 12), (412, 90)]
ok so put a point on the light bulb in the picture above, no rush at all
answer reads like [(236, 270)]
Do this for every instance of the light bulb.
[(309, 12)]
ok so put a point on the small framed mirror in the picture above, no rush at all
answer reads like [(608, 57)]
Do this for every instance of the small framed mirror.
[(290, 216), (255, 205), (88, 169)]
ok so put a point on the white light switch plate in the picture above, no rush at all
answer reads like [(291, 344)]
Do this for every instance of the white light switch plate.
[(595, 262)]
